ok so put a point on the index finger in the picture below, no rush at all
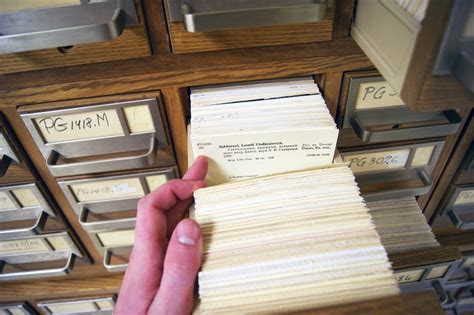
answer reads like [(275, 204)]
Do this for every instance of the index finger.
[(143, 275)]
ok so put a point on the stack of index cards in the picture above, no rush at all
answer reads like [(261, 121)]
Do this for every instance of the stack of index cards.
[(287, 243), (261, 128), (401, 225)]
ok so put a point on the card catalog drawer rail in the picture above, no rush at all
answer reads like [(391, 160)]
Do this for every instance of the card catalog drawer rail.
[(111, 194), (44, 248), (81, 140)]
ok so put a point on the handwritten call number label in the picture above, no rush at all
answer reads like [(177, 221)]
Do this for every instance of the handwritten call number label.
[(23, 246), (409, 276), (377, 94), (465, 197), (377, 161)]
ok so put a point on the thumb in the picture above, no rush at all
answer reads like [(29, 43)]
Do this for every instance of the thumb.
[(182, 262)]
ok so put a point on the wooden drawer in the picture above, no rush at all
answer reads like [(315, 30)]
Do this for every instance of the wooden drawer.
[(14, 166), (27, 210), (371, 111), (132, 43), (101, 134), (423, 59), (46, 255), (106, 208), (214, 18)]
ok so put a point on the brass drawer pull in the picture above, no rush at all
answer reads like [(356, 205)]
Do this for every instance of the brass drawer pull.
[(109, 252)]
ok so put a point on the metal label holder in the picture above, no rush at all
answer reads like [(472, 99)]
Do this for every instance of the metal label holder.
[(363, 120), (87, 22), (408, 172), (38, 213), (14, 308), (95, 303), (83, 209), (453, 211), (67, 255), (207, 16), (150, 142)]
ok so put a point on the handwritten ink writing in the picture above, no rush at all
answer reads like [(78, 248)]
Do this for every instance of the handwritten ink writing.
[(59, 124)]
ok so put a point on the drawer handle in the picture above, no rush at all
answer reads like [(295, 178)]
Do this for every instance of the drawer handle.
[(458, 222), (464, 69), (39, 273), (126, 223), (445, 298), (108, 256), (403, 192), (75, 24), (361, 128), (103, 165), (4, 164), (35, 229), (253, 17)]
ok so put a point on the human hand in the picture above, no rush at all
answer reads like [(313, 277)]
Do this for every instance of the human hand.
[(167, 252)]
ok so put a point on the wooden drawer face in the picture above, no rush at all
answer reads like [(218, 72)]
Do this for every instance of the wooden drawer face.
[(132, 43), (184, 41), (47, 255), (27, 210), (96, 136), (13, 165), (372, 112), (89, 306), (394, 171)]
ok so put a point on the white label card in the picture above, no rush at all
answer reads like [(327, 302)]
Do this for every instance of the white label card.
[(238, 157), (86, 125), (30, 245), (139, 118), (465, 197), (108, 190), (409, 276), (377, 94), (5, 201), (377, 161)]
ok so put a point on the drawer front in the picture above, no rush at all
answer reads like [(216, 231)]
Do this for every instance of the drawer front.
[(13, 165), (458, 208), (26, 210), (78, 40), (109, 202), (106, 208), (216, 25), (387, 34), (102, 137), (89, 306), (394, 171), (47, 255), (373, 112)]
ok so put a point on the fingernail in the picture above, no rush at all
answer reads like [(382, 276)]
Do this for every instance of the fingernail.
[(188, 232)]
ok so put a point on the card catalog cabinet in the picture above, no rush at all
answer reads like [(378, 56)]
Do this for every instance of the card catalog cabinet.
[(425, 55), (200, 25), (80, 32), (101, 135), (106, 209)]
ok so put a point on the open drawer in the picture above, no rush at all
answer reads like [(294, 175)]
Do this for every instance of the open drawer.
[(424, 49), (69, 32)]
